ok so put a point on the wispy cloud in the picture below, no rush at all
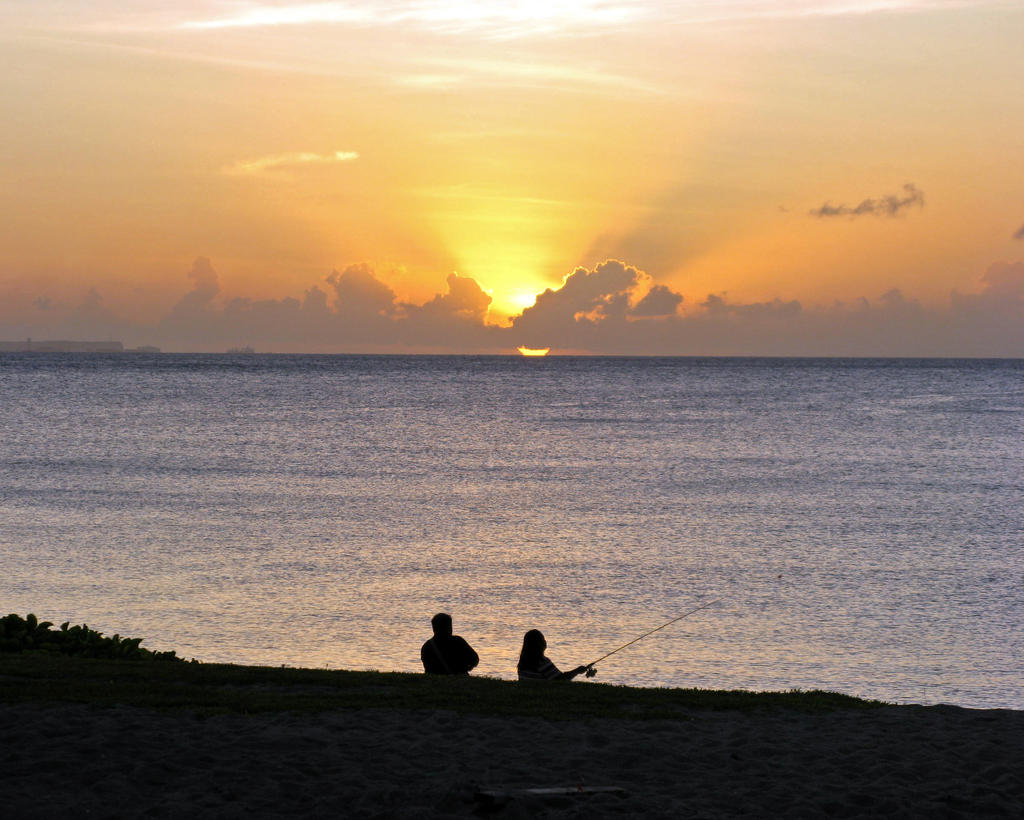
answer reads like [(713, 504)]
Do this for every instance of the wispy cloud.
[(489, 18), (257, 15), (445, 73), (275, 163), (524, 17), (701, 12), (889, 205), (514, 18), (1020, 233)]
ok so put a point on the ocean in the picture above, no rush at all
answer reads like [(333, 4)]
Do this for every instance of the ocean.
[(856, 525)]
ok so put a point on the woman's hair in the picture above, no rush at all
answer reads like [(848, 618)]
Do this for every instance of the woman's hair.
[(533, 649)]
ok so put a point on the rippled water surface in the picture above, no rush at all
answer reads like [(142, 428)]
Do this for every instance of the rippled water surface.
[(860, 521)]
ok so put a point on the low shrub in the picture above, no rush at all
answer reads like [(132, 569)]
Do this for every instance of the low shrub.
[(29, 634)]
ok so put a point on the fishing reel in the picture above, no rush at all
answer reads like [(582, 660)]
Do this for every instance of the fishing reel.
[(591, 671)]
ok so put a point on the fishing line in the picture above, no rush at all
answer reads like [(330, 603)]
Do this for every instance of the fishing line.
[(656, 629)]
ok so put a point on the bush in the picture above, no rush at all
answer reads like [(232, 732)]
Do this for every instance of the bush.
[(29, 634)]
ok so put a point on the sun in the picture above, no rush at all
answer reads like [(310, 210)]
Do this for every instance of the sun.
[(520, 299), (533, 351), (506, 304)]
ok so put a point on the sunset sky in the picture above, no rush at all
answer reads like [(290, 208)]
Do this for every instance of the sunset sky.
[(747, 176)]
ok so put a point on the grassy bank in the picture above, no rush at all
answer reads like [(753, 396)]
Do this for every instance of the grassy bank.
[(217, 688)]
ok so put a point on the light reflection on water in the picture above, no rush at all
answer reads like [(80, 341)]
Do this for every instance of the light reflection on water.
[(860, 520)]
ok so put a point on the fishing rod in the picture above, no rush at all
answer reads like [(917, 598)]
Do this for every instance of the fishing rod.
[(656, 629)]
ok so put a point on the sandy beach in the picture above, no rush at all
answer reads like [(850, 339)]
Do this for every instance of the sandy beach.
[(78, 760)]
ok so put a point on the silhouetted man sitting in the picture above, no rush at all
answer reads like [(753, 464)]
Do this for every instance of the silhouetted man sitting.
[(445, 653)]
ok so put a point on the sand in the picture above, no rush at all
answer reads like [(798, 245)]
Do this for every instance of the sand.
[(85, 761)]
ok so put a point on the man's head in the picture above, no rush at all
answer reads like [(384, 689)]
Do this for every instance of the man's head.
[(442, 625)]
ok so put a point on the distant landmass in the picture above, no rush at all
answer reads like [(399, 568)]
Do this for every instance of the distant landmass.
[(69, 346)]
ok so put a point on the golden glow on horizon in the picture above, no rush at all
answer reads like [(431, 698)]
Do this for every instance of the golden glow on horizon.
[(533, 351), (509, 245)]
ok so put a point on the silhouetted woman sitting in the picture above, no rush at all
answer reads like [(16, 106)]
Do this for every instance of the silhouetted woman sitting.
[(535, 665)]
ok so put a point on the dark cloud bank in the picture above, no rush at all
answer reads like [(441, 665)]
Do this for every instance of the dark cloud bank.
[(610, 309), (889, 205)]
